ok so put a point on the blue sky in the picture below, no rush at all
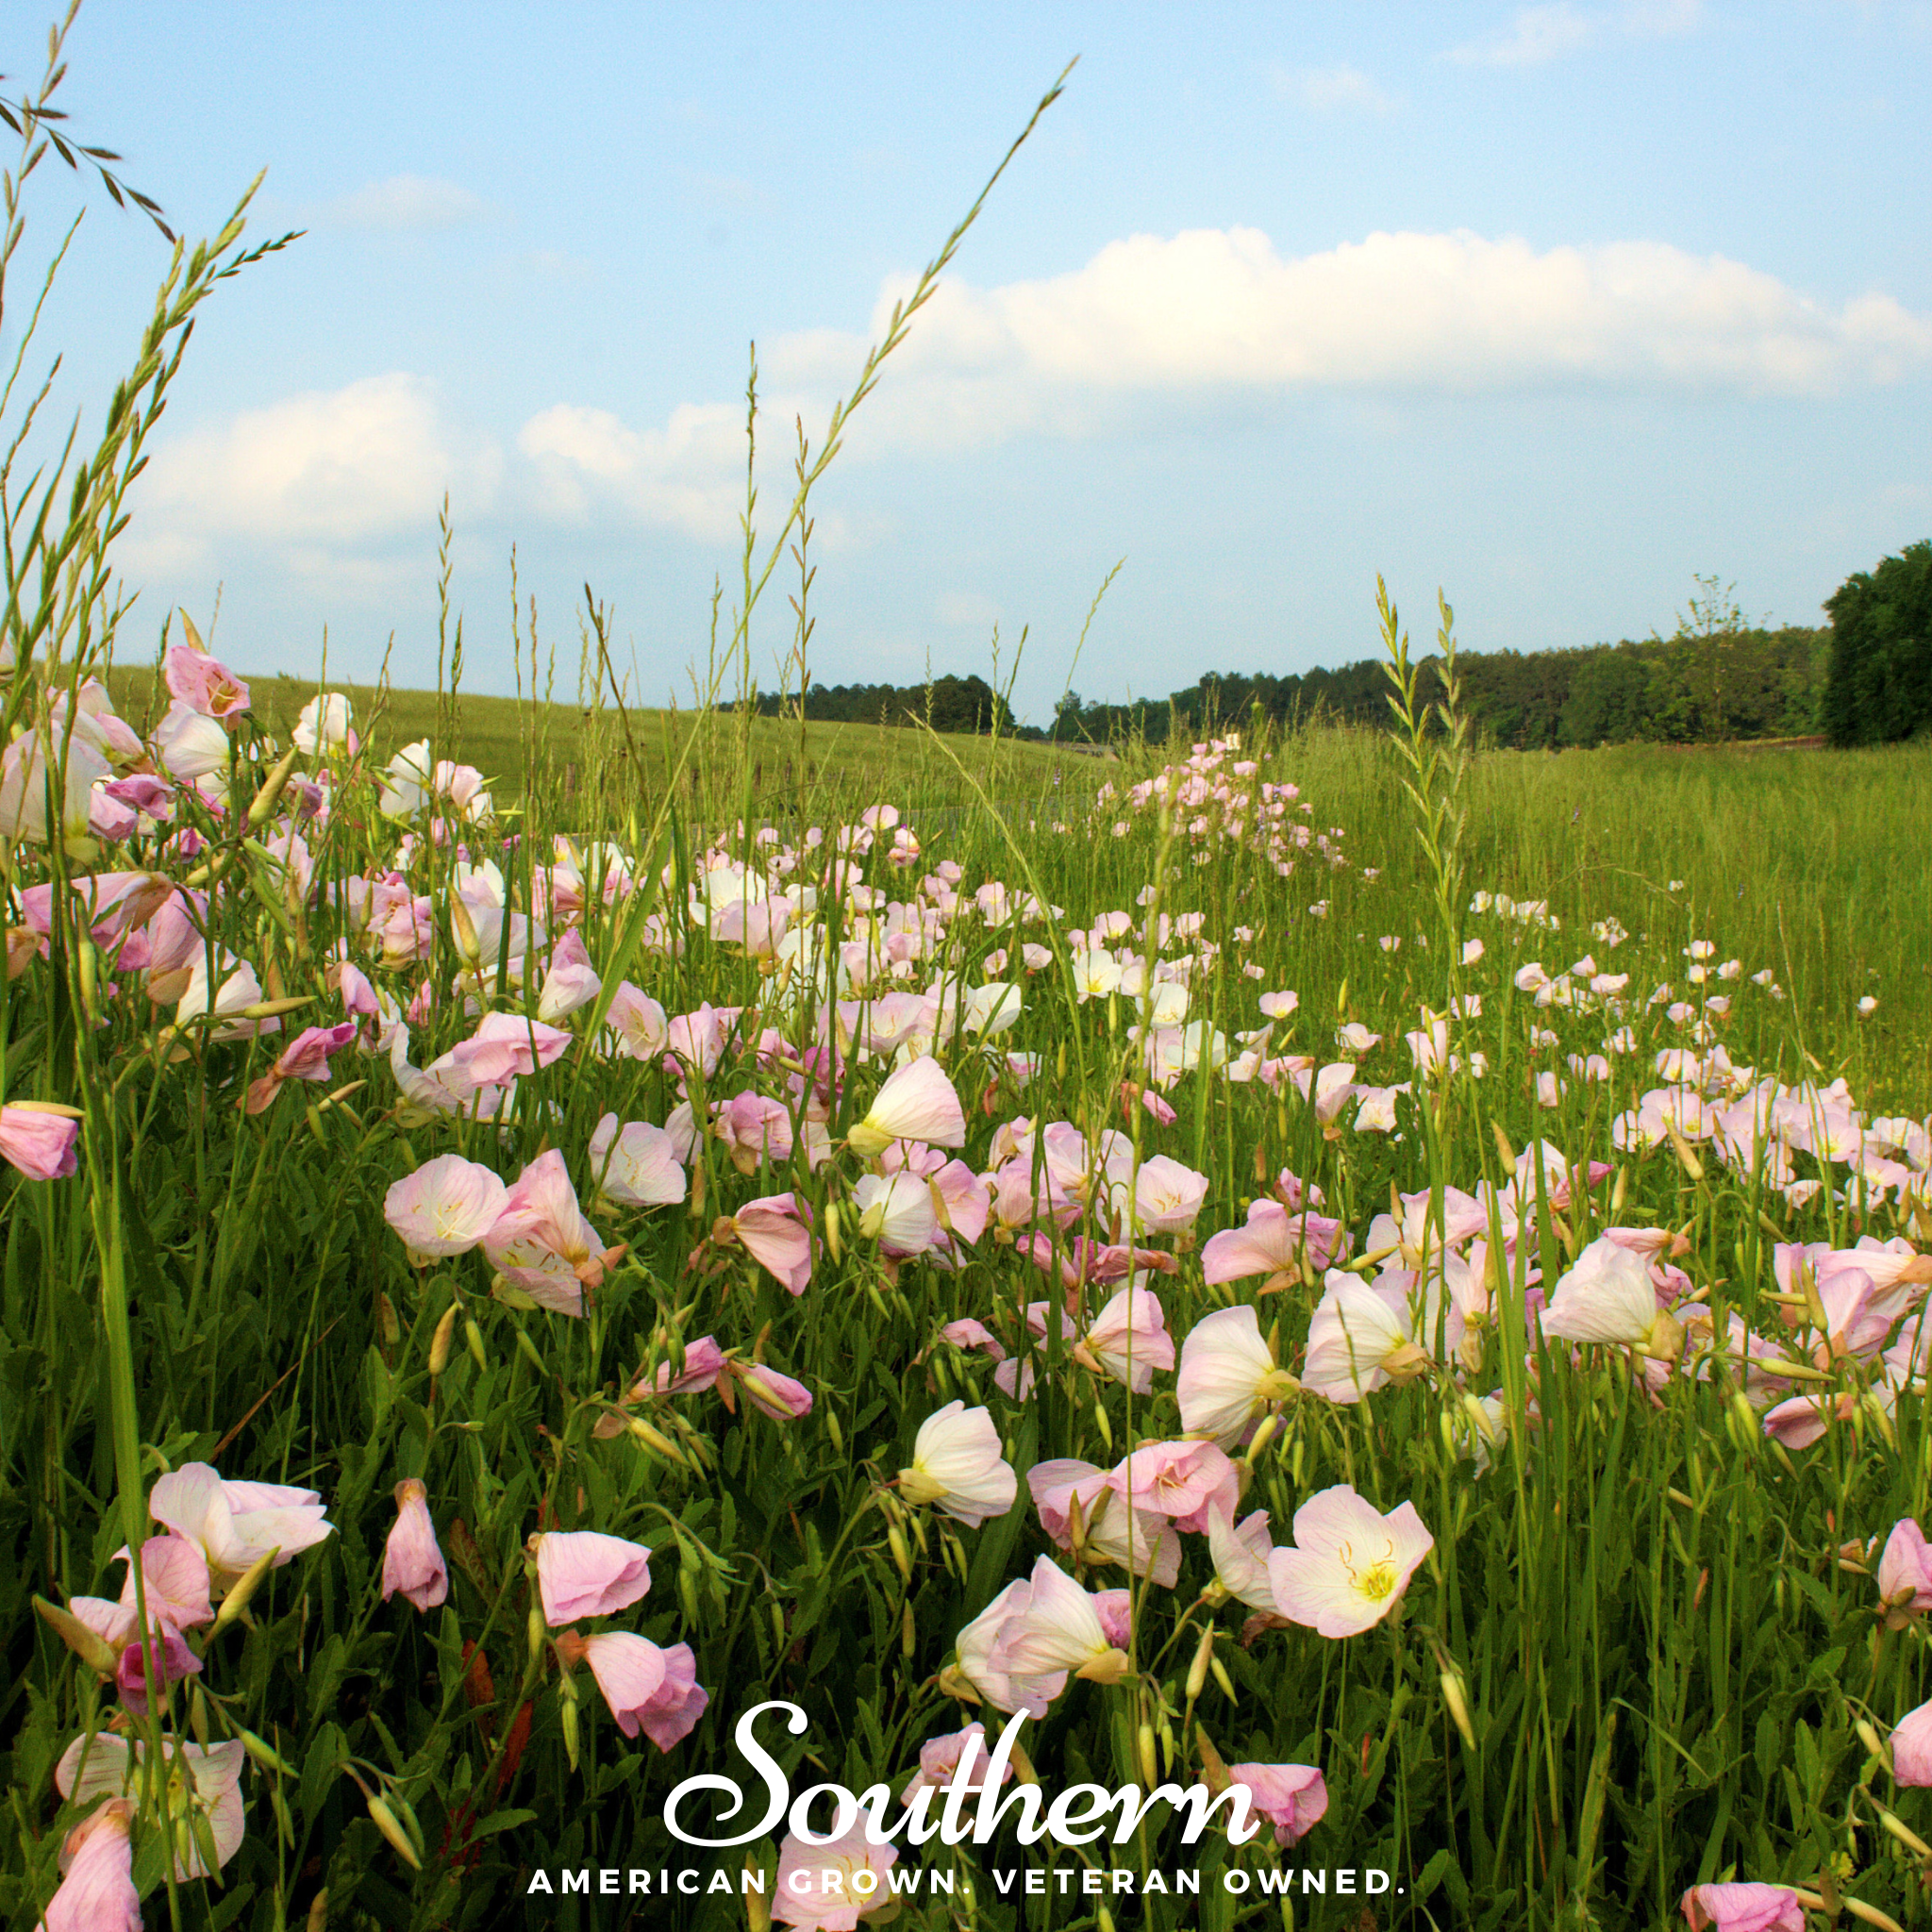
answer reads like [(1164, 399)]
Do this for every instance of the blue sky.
[(1555, 305)]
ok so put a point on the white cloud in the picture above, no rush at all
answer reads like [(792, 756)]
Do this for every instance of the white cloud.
[(1213, 309), (1323, 90), (689, 475), (321, 472), (404, 202), (1555, 28)]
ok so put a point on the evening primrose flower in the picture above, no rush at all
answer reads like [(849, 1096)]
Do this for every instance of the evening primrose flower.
[(411, 1559), (1058, 1631), (897, 1211), (1228, 1375), (236, 1523), (918, 1103), (1292, 1797), (1358, 1339), (1606, 1297), (647, 1688), (1904, 1574), (830, 1885), (581, 1573), (1911, 1747), (957, 1466), (203, 1782), (1742, 1908), (445, 1208), (1349, 1564), (96, 1892)]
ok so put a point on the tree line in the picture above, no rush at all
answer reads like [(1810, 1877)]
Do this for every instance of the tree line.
[(1865, 678)]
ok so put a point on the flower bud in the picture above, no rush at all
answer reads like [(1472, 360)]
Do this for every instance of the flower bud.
[(1197, 1670), (93, 1649), (439, 1341), (895, 1542), (246, 1586), (1222, 1677), (1458, 1701), (533, 1631), (265, 1755), (472, 1339), (387, 1823)]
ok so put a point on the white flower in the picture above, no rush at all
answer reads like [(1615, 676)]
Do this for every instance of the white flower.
[(957, 1466)]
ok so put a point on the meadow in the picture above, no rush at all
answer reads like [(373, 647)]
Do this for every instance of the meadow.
[(1370, 1281)]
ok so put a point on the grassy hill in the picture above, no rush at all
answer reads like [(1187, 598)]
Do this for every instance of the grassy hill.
[(615, 764)]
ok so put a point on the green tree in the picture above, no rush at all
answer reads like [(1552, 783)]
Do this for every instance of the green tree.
[(1879, 685)]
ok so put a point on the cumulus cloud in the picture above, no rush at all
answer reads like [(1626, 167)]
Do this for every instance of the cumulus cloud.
[(1551, 31), (1457, 312), (689, 475), (409, 203), (322, 470), (1326, 90)]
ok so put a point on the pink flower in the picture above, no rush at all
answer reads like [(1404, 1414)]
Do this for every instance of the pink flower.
[(1744, 1908), (832, 1884), (234, 1524), (778, 1397), (103, 1764), (957, 1464), (1228, 1375), (570, 982), (97, 1894), (1275, 1244), (172, 1657), (541, 1242), (412, 1559), (918, 1103), (1608, 1296), (1179, 1480), (1905, 1572), (635, 1024), (305, 1057), (897, 1211), (1911, 1747), (203, 683), (634, 1166), (1292, 1797), (1129, 1339), (44, 1146), (1349, 1564), (631, 1672), (775, 1235), (445, 1208), (1141, 1541), (505, 1046), (978, 1655), (1058, 1632), (671, 1713), (751, 1127), (940, 1759), (1167, 1196), (581, 1573)]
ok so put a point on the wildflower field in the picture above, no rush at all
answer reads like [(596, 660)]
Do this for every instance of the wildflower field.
[(1373, 1283)]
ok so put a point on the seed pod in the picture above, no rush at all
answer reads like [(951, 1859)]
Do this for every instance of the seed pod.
[(440, 1342)]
